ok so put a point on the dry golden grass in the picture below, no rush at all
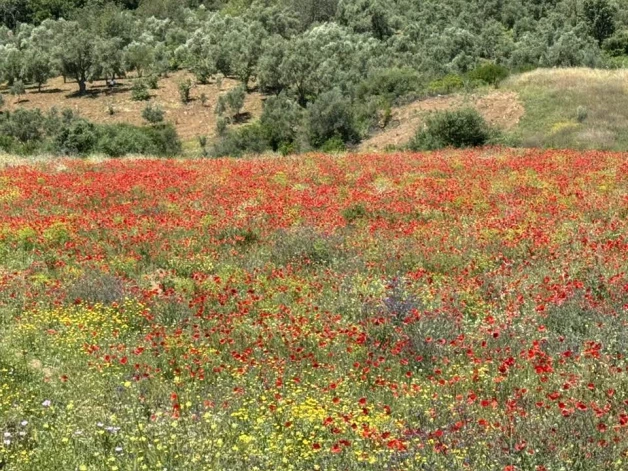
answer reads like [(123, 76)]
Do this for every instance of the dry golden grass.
[(576, 78), (552, 98), (501, 109)]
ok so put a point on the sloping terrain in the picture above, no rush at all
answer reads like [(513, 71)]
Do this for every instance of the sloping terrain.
[(502, 109), (191, 120), (576, 108)]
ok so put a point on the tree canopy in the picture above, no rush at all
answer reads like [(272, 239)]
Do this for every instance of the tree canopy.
[(367, 51)]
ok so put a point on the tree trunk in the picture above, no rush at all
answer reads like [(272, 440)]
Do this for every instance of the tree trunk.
[(82, 86)]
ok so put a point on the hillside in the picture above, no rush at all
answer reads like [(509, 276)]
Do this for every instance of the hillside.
[(333, 71), (501, 109), (576, 108), (191, 120)]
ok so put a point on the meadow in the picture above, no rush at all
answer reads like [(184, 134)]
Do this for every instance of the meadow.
[(455, 310)]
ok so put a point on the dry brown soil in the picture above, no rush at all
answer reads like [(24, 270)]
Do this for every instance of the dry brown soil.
[(502, 109), (191, 120)]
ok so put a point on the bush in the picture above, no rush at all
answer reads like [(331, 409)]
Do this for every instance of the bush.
[(202, 143), (120, 139), (23, 125), (152, 81), (617, 45), (221, 126), (446, 85), (489, 73), (582, 114), (164, 139), (373, 113), (459, 128), (153, 114), (185, 88), (249, 139), (281, 121), (28, 132), (334, 145), (232, 101), (79, 138), (139, 91), (329, 117), (390, 83), (18, 89)]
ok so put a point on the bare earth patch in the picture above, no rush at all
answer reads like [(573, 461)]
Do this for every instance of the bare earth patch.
[(502, 109), (191, 120)]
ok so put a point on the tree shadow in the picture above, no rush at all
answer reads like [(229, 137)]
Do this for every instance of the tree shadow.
[(242, 118), (49, 91), (95, 92)]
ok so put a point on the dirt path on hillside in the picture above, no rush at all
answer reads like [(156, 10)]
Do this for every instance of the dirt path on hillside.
[(502, 109)]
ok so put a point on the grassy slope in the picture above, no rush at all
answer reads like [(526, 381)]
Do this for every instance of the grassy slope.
[(551, 98)]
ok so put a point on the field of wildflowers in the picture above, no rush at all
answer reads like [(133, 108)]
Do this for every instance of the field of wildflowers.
[(447, 311)]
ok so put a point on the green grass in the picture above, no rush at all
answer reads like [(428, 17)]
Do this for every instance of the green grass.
[(552, 98)]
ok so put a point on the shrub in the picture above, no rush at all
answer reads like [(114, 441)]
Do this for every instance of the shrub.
[(446, 85), (221, 126), (334, 145), (77, 138), (235, 99), (164, 140), (139, 91), (489, 73), (459, 128), (153, 114), (18, 89), (232, 101), (249, 139), (329, 117), (582, 114), (185, 87), (202, 143), (281, 121), (373, 113), (152, 81), (617, 45), (391, 83), (23, 125), (1, 101), (119, 139)]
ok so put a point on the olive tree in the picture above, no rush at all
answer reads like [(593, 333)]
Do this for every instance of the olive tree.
[(76, 52), (37, 67)]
